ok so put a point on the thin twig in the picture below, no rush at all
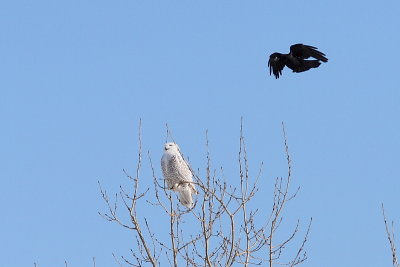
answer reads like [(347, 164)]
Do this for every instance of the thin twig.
[(390, 235)]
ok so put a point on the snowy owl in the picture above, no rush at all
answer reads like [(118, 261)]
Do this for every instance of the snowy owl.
[(177, 174)]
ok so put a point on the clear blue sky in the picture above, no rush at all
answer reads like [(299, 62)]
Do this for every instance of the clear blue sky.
[(76, 76)]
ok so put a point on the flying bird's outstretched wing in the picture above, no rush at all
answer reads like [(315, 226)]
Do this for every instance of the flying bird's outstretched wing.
[(276, 63), (306, 51)]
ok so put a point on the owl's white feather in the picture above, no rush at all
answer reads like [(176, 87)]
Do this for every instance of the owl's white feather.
[(177, 174)]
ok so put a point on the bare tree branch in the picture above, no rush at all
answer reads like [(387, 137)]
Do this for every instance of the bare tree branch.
[(223, 228), (390, 235)]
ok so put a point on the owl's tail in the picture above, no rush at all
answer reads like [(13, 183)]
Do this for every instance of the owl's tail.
[(185, 197)]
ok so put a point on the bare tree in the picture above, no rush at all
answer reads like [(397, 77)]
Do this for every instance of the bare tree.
[(390, 235), (222, 229)]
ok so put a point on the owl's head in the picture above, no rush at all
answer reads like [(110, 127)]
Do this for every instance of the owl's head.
[(171, 147)]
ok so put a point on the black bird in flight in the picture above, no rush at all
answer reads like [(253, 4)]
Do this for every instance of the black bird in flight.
[(295, 60)]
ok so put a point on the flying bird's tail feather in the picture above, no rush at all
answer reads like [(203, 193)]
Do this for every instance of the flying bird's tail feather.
[(307, 64), (312, 63), (185, 196)]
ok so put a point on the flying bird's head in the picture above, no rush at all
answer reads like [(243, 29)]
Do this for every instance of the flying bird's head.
[(171, 147), (275, 56)]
